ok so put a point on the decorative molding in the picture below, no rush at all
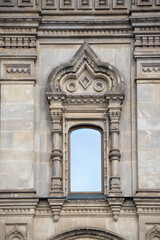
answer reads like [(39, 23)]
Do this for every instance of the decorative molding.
[(18, 42), (15, 233), (147, 41), (85, 99), (66, 4), (120, 4), (85, 4), (144, 3), (147, 205), (87, 231), (18, 207), (20, 19), (102, 4), (153, 233), (7, 3), (56, 206), (72, 33), (18, 4), (25, 3), (43, 212), (115, 205), (15, 211), (49, 4), (80, 5), (151, 68), (18, 69)]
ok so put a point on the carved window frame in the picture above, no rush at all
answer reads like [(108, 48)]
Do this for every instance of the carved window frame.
[(100, 106)]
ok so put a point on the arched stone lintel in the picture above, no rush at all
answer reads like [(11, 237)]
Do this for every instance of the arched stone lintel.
[(87, 231)]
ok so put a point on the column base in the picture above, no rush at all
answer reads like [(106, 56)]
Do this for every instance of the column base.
[(56, 193)]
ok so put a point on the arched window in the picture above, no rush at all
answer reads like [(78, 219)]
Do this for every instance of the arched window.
[(85, 155), (85, 92)]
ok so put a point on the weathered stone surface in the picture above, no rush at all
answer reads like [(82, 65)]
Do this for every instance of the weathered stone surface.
[(98, 62), (148, 136)]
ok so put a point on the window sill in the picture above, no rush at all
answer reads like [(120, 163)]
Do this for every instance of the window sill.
[(77, 196)]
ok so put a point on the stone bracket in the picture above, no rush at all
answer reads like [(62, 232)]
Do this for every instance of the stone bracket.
[(56, 205), (115, 205)]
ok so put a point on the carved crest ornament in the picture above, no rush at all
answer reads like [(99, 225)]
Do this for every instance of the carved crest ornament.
[(84, 81)]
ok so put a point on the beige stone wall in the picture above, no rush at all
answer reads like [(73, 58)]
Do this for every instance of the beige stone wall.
[(36, 37), (17, 137), (148, 98)]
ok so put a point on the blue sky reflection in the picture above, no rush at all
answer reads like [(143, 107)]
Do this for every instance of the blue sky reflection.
[(85, 160)]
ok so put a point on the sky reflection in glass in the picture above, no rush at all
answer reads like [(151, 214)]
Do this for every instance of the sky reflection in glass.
[(85, 161)]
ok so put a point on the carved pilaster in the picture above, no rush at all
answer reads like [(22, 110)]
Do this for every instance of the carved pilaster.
[(56, 156), (114, 155)]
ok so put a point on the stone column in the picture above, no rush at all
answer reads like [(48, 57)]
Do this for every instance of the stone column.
[(114, 155), (56, 111)]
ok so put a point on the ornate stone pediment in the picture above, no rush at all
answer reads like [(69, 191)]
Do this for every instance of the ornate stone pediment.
[(85, 74)]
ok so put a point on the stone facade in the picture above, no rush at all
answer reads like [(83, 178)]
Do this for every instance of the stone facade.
[(67, 63)]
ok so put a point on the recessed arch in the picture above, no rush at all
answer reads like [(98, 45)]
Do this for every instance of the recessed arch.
[(15, 235), (80, 233)]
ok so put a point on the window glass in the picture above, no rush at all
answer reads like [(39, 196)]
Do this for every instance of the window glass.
[(85, 160)]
